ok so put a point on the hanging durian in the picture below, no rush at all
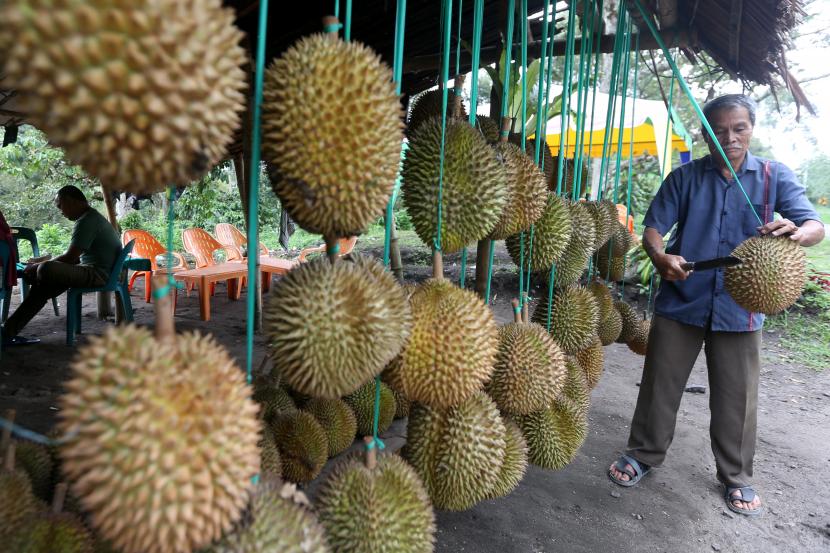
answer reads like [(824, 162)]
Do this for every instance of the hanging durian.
[(164, 436), (609, 266), (333, 326), (451, 349), (303, 446), (638, 343), (402, 404), (576, 387), (515, 461), (574, 261), (457, 452), (525, 192), (377, 507), (53, 531), (141, 95), (488, 127), (427, 105), (34, 459), (555, 434), (362, 402), (338, 421), (573, 318), (771, 276), (591, 361), (603, 220), (331, 133), (546, 159), (551, 234), (630, 321), (609, 326), (17, 502), (473, 190), (270, 462), (273, 401)]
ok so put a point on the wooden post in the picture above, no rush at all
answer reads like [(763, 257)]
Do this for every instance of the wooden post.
[(525, 308), (437, 264), (371, 453), (104, 299), (165, 326), (239, 169), (395, 252), (482, 261), (517, 312)]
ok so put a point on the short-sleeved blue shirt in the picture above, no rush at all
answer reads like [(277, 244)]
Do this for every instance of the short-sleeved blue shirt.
[(713, 217)]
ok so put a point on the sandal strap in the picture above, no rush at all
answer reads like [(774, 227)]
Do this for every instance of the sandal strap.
[(635, 470), (747, 493)]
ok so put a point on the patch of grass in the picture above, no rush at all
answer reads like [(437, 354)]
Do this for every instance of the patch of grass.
[(805, 336), (818, 256)]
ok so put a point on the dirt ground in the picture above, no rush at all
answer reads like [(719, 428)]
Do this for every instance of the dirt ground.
[(677, 508)]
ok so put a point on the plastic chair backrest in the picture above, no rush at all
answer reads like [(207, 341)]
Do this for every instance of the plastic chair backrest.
[(347, 245), (146, 245), (115, 274), (201, 244), (25, 233), (229, 235)]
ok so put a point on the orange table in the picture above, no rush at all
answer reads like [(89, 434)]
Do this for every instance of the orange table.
[(204, 277), (275, 266)]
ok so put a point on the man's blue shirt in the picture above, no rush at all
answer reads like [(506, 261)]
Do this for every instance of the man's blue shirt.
[(713, 217)]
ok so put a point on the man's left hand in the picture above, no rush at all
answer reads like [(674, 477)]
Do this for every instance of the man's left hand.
[(783, 227)]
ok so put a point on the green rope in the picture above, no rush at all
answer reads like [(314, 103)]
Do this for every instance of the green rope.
[(612, 99), (337, 9), (253, 198), (523, 11), (540, 116), (584, 55), (564, 115), (458, 42), (347, 29), (630, 155), (695, 105), (171, 214), (445, 70), (594, 94)]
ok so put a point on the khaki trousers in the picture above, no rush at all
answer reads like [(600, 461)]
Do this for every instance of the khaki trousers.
[(53, 279), (733, 362)]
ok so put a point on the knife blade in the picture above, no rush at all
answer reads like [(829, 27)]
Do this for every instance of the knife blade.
[(728, 261)]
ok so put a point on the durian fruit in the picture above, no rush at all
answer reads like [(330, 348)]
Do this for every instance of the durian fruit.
[(457, 452), (164, 440), (568, 178), (383, 509), (274, 401), (17, 502), (630, 321), (604, 220), (525, 192), (270, 462), (332, 326), (555, 434), (574, 318), (610, 321), (338, 421), (427, 105), (771, 276), (515, 461), (488, 127), (574, 261), (474, 185), (576, 387), (402, 404), (331, 133), (53, 531), (609, 266), (529, 371), (279, 518), (639, 341), (362, 402), (303, 446), (551, 234), (141, 95), (546, 160), (591, 361), (452, 347), (35, 460), (620, 241)]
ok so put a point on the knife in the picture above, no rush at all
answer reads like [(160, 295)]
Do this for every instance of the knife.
[(728, 261)]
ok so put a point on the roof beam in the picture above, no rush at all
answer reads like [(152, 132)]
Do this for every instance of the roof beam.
[(735, 15), (667, 13)]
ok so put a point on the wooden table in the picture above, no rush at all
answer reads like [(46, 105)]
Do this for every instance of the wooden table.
[(275, 266), (231, 271)]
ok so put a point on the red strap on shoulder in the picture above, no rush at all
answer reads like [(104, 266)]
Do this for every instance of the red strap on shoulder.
[(767, 211)]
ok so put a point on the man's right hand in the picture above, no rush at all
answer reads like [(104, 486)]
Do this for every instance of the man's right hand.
[(670, 266)]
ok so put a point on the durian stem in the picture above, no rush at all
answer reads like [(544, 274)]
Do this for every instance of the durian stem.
[(7, 430), (331, 25), (517, 311), (506, 124), (437, 264), (59, 498), (165, 326), (371, 453), (332, 248), (482, 264), (395, 252), (457, 104), (8, 463), (525, 308)]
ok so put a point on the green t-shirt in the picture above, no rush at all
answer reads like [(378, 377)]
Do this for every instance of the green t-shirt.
[(98, 241)]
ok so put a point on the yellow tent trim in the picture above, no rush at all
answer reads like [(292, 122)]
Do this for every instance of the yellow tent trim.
[(643, 137)]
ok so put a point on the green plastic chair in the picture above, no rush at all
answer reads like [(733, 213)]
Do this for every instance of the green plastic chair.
[(114, 284), (25, 233)]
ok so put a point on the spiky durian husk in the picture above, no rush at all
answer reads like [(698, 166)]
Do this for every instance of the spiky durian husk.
[(568, 178), (279, 518), (53, 533), (630, 321), (554, 435), (402, 404), (451, 349), (488, 127), (515, 461), (576, 387), (331, 327), (609, 266), (639, 341), (474, 184), (591, 361), (580, 247), (303, 446), (529, 371), (427, 105), (574, 318), (551, 234), (458, 452), (362, 402), (609, 326), (620, 241), (270, 461), (338, 421), (17, 502), (274, 401), (35, 460), (381, 510), (604, 220), (771, 276), (525, 192), (546, 160), (187, 401), (141, 95), (333, 152)]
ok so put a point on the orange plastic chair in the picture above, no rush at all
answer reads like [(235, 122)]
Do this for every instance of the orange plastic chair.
[(621, 212), (199, 243), (229, 235), (148, 247), (346, 247)]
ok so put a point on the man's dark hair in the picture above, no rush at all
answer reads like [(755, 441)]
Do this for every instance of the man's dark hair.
[(71, 192), (730, 101)]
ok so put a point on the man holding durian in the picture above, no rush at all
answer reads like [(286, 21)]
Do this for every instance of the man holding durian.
[(712, 217)]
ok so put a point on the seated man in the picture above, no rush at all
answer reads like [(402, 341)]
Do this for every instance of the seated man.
[(87, 262)]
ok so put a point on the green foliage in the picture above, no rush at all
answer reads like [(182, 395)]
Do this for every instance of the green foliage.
[(805, 336), (815, 174), (53, 239)]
